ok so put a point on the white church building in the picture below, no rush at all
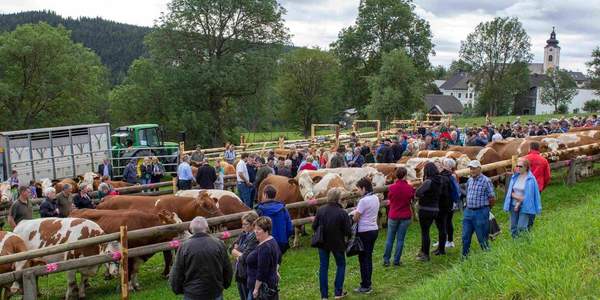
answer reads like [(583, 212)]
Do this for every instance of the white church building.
[(460, 86)]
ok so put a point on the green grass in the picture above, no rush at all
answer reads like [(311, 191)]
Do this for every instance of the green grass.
[(558, 261)]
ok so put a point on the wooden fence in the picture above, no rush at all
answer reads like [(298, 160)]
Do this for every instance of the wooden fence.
[(29, 275)]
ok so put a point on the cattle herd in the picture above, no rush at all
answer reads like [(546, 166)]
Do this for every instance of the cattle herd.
[(137, 212)]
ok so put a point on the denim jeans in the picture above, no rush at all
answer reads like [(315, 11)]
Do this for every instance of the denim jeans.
[(519, 222), (365, 258), (245, 194), (396, 230), (340, 262), (242, 290), (475, 221)]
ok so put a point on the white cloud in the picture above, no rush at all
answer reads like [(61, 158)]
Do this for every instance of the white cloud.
[(318, 22)]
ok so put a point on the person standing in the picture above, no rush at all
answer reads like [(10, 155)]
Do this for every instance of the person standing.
[(245, 243), (158, 171), (105, 169), (206, 176), (539, 165), (286, 169), (82, 199), (338, 161), (480, 198), (229, 154), (202, 269), (20, 209), (522, 200), (63, 200), (365, 215), (279, 215), (130, 172), (146, 171), (184, 174), (220, 182), (198, 155), (335, 225), (49, 207), (429, 194), (263, 263), (243, 181), (400, 196), (448, 165), (251, 165), (14, 178), (357, 159), (263, 171), (309, 164)]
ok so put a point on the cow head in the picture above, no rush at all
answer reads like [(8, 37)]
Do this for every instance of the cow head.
[(377, 179), (306, 185), (111, 249), (5, 194), (167, 217), (205, 206)]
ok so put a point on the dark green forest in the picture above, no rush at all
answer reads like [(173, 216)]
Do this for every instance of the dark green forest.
[(117, 44)]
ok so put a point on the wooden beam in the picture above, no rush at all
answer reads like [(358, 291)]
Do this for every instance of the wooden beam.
[(123, 266)]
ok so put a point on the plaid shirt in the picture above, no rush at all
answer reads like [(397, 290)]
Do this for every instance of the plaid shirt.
[(479, 192)]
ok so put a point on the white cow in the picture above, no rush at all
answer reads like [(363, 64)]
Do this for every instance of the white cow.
[(316, 185), (46, 232), (213, 193)]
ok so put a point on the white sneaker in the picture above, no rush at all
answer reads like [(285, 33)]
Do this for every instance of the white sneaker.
[(437, 243), (449, 244)]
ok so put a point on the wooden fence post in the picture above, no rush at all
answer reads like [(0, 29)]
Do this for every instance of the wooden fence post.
[(29, 285), (123, 265), (572, 172)]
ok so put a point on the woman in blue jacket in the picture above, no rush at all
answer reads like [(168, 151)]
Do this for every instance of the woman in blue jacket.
[(522, 198)]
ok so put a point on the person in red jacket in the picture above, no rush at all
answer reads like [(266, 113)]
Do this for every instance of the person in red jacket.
[(399, 216), (539, 165)]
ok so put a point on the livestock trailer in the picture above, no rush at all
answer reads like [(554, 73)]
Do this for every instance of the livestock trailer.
[(55, 152)]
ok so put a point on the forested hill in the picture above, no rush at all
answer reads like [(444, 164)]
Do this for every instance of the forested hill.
[(117, 44)]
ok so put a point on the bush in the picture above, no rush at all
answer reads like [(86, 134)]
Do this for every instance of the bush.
[(592, 106), (562, 109)]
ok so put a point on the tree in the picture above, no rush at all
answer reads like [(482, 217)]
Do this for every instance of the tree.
[(381, 26), (47, 80), (439, 72), (396, 91), (458, 66), (221, 50), (592, 106), (497, 51), (594, 70), (558, 88), (308, 82)]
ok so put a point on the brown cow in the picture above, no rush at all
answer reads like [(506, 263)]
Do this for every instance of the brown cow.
[(288, 191), (110, 221), (187, 208), (231, 205), (59, 185), (470, 151), (11, 243)]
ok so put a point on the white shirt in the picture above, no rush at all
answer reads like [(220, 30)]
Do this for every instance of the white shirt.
[(368, 207), (496, 137), (241, 168)]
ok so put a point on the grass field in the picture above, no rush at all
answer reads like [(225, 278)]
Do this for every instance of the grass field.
[(559, 260)]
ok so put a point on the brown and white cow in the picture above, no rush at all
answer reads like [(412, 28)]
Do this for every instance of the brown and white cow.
[(213, 193), (317, 185), (187, 208), (46, 232), (227, 202), (352, 175), (111, 220), (11, 243), (59, 185), (389, 170)]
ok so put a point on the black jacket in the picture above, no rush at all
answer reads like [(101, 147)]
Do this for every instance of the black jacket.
[(83, 201), (336, 226), (387, 155), (396, 152), (48, 208), (101, 170), (202, 269), (445, 203), (429, 193), (206, 177)]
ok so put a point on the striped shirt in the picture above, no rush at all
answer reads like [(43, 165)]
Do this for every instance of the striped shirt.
[(479, 192)]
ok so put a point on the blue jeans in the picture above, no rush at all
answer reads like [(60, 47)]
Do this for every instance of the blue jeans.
[(519, 222), (245, 194), (340, 262), (396, 230), (476, 221)]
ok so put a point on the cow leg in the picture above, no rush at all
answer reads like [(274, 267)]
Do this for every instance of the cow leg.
[(168, 258), (134, 277), (72, 289), (296, 237)]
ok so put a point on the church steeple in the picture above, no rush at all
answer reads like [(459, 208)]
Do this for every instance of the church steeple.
[(551, 52)]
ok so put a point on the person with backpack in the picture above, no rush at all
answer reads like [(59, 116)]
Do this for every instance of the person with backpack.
[(282, 223)]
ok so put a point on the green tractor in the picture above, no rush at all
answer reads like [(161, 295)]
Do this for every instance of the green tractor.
[(142, 140)]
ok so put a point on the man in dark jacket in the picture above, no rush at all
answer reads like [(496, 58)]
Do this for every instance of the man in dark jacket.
[(282, 223), (206, 175), (397, 150), (202, 269), (49, 207), (338, 160), (263, 171), (130, 172), (105, 169), (386, 153), (446, 204)]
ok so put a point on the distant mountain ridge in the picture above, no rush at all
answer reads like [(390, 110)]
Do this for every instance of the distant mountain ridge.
[(117, 44)]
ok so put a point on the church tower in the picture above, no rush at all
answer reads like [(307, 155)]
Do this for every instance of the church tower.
[(551, 52)]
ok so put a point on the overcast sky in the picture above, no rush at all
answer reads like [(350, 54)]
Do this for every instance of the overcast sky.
[(317, 22)]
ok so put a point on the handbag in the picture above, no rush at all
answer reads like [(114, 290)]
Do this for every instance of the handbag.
[(494, 227), (267, 293), (317, 239), (355, 246)]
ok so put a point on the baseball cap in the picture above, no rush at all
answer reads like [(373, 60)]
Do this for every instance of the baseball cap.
[(474, 164)]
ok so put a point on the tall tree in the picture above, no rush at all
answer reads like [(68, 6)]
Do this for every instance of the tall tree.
[(497, 50), (458, 66), (396, 91), (308, 83), (381, 26), (47, 80), (225, 48), (594, 70), (558, 89)]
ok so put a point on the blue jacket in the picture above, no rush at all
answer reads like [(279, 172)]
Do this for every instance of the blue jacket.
[(532, 204), (282, 223)]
